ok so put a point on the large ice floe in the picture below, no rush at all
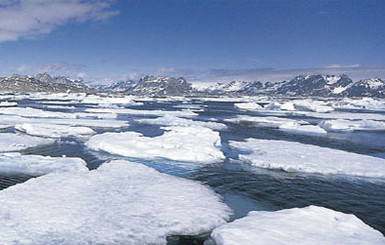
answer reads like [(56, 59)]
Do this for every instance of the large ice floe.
[(352, 125), (187, 144), (15, 163), (18, 142), (119, 203), (298, 157), (309, 225), (54, 131), (283, 124), (171, 120), (12, 120)]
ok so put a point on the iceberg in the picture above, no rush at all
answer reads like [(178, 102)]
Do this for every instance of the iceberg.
[(17, 142), (54, 131), (309, 225), (298, 157), (15, 163), (119, 203), (187, 144)]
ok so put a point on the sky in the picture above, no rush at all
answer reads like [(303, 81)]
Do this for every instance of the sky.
[(202, 40)]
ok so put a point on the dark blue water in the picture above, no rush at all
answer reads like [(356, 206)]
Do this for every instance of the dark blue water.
[(243, 187)]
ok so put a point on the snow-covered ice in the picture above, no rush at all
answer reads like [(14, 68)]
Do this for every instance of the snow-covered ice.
[(273, 122), (309, 225), (54, 131), (249, 106), (298, 157), (18, 142), (352, 125), (181, 113), (15, 163), (187, 144), (170, 120), (12, 120), (119, 203), (297, 128)]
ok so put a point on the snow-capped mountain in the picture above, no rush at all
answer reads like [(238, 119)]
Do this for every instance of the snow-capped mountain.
[(304, 86), (121, 86), (41, 83)]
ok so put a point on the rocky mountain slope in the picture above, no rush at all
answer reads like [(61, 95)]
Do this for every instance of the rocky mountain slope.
[(42, 83)]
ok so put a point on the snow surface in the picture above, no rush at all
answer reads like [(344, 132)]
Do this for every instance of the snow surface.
[(18, 142), (250, 106), (182, 113), (119, 203), (187, 144), (15, 163), (54, 131), (12, 120), (308, 226), (170, 120), (296, 128), (298, 157), (350, 125)]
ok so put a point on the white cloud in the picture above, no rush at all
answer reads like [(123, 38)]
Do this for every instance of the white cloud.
[(72, 70), (31, 18)]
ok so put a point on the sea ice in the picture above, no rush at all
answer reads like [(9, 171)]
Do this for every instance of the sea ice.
[(15, 163), (350, 125), (309, 225), (296, 128), (18, 142), (182, 113), (274, 122), (119, 203), (54, 131), (298, 157), (170, 120), (249, 106), (188, 144)]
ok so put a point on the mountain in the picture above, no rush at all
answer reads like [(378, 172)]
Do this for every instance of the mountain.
[(303, 86), (151, 85), (41, 83)]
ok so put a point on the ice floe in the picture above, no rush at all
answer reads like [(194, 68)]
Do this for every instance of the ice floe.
[(170, 120), (298, 157), (54, 131), (352, 125), (187, 144), (15, 163), (283, 124), (12, 120), (309, 225), (18, 142), (119, 203), (182, 113), (249, 106)]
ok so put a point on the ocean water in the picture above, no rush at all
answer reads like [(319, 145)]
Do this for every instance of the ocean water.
[(243, 187)]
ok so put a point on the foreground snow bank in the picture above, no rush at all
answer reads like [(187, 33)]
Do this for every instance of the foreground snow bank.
[(310, 225), (18, 142), (297, 157), (188, 144), (54, 131), (15, 163), (119, 203)]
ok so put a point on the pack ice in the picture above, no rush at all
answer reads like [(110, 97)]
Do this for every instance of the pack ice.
[(309, 225), (18, 142), (119, 203), (352, 125), (298, 157), (15, 163), (53, 131), (188, 144), (171, 120)]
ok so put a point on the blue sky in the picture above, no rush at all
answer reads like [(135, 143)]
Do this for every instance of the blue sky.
[(203, 40)]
